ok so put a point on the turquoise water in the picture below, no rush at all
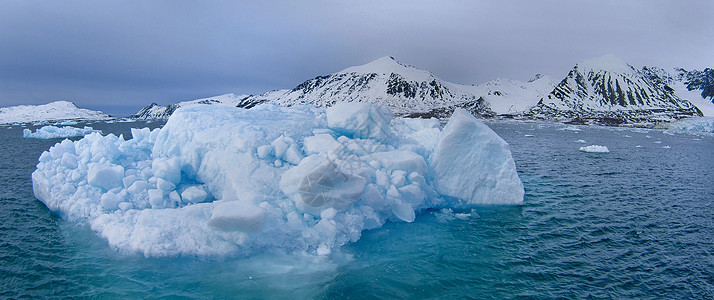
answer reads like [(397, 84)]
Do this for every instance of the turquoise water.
[(636, 222)]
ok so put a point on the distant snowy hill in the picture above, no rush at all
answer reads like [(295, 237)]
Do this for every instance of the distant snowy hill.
[(155, 111), (606, 90), (385, 82), (54, 111)]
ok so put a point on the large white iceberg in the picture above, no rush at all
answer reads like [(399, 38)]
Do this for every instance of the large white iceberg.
[(222, 180)]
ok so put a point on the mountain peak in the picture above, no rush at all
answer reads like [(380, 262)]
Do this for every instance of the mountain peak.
[(607, 63), (386, 64)]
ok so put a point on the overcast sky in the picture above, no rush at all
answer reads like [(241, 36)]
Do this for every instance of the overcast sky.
[(118, 56)]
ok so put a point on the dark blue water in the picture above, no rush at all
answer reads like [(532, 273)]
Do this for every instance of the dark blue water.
[(637, 222)]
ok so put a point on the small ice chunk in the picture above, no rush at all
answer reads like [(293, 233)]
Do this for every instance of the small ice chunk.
[(237, 216), (402, 210), (128, 180), (318, 183), (125, 206), (168, 169), (462, 216), (69, 160), (292, 155), (401, 160), (165, 185), (156, 198), (280, 145), (174, 197), (399, 178), (105, 176), (110, 201), (320, 143), (194, 194), (328, 213), (264, 151), (138, 187), (595, 149)]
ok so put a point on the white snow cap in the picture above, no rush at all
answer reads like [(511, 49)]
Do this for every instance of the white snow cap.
[(388, 65), (607, 63), (221, 180)]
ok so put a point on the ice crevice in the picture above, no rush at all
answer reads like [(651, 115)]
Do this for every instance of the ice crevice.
[(230, 181)]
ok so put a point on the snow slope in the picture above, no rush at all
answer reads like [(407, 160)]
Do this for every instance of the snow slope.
[(155, 111), (219, 180), (506, 96), (54, 111)]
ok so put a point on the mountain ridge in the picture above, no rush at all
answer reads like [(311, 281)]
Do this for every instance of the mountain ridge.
[(603, 88)]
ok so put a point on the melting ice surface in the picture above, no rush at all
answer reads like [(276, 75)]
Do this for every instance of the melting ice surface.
[(53, 132), (229, 181)]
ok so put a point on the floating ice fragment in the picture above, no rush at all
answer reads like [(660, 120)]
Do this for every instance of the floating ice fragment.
[(595, 149), (53, 132)]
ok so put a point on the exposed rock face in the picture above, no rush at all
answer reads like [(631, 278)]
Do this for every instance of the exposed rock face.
[(608, 91)]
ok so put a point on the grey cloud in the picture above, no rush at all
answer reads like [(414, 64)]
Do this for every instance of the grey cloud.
[(122, 55)]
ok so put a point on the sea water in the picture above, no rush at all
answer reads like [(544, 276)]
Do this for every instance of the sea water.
[(636, 222)]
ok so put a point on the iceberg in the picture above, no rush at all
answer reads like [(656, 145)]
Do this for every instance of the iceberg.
[(218, 181), (595, 149), (54, 132)]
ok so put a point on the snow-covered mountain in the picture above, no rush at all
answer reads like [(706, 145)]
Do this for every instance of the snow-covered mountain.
[(509, 97), (607, 90), (54, 111), (404, 89), (386, 82), (155, 111)]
